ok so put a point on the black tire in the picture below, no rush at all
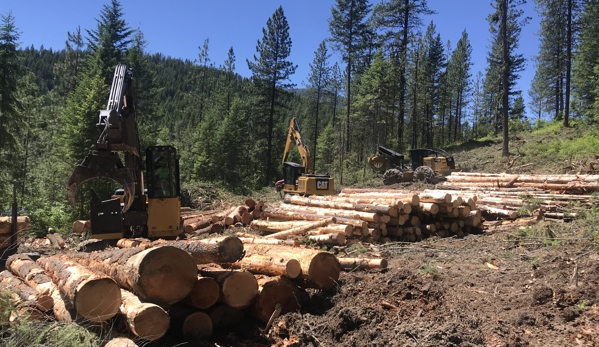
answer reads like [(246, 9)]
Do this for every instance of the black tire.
[(424, 174), (392, 176)]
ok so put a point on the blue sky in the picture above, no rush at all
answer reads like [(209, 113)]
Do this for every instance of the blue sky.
[(177, 28)]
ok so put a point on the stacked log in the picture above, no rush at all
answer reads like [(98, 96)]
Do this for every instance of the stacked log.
[(145, 320), (23, 224), (214, 222)]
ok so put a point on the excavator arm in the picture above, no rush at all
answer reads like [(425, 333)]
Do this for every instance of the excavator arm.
[(118, 125), (294, 135)]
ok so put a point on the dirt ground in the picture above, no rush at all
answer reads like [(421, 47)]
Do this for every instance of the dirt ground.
[(482, 290)]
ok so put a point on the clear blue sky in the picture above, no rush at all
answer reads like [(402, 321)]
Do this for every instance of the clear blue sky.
[(176, 28)]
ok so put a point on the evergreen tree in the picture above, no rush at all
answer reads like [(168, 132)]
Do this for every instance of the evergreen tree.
[(12, 122), (318, 80), (67, 72), (459, 79), (349, 29), (111, 28), (585, 72), (271, 71)]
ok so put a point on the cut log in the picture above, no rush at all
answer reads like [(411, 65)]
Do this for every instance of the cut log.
[(224, 316), (328, 239), (499, 212), (264, 241), (32, 273), (120, 342), (6, 239), (268, 265), (296, 215), (192, 324), (302, 229), (430, 207), (320, 269), (9, 281), (81, 226), (277, 290), (131, 243), (23, 224), (304, 201), (333, 229), (163, 275), (238, 288), (349, 264), (330, 212), (219, 250), (250, 203), (204, 294), (146, 320), (198, 224), (95, 296)]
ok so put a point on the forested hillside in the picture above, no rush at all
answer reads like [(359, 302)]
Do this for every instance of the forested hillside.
[(399, 84)]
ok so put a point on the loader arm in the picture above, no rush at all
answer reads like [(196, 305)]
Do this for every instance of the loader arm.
[(294, 135), (119, 133)]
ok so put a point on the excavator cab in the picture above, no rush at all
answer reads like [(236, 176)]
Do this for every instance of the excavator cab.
[(164, 192)]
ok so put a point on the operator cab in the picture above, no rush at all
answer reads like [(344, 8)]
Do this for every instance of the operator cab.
[(162, 172), (292, 172)]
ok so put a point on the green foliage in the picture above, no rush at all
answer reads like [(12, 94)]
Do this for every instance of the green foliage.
[(581, 305), (429, 270)]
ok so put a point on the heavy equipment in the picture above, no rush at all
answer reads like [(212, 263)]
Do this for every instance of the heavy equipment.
[(133, 211), (426, 165), (299, 179)]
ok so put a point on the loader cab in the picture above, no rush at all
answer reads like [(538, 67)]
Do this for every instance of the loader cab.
[(292, 172), (162, 175)]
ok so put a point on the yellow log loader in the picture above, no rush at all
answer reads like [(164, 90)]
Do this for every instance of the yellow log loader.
[(299, 179), (133, 211)]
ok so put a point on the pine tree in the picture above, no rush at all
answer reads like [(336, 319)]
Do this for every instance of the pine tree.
[(12, 122), (68, 71), (459, 79), (585, 74), (271, 71), (349, 29)]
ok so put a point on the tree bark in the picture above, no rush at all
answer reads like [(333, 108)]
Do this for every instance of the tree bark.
[(277, 290), (162, 275), (42, 302), (95, 296), (217, 250), (304, 201), (320, 269), (329, 212), (302, 229), (328, 239), (349, 264), (268, 265), (146, 320), (296, 215)]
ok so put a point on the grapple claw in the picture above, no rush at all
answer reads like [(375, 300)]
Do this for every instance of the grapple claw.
[(98, 165)]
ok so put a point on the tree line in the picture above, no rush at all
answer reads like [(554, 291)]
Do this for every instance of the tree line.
[(398, 84)]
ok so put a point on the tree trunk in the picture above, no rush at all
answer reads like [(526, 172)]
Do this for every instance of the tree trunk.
[(263, 241), (302, 229), (95, 296), (146, 320), (204, 294), (321, 269), (349, 264), (23, 224), (268, 265), (329, 212), (303, 201), (505, 75), (192, 324), (347, 230), (278, 290), (272, 227), (298, 215), (10, 282), (238, 288), (121, 342), (216, 250), (328, 239), (163, 275)]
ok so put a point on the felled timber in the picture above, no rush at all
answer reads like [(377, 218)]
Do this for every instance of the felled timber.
[(95, 296), (330, 212), (328, 239), (238, 287), (146, 320), (23, 224), (217, 250), (192, 324), (163, 274), (277, 290), (298, 215), (304, 201), (9, 281), (302, 229), (224, 316), (349, 264), (269, 265), (204, 294), (121, 342), (81, 226)]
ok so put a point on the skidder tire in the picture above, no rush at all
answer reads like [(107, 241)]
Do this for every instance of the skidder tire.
[(424, 174), (392, 176)]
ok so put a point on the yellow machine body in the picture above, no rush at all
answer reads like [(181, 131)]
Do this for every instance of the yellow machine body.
[(164, 217), (307, 185)]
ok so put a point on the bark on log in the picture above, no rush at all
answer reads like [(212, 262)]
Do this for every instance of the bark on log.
[(198, 224), (330, 212), (268, 265), (304, 201), (277, 290), (146, 320), (328, 239), (333, 229), (272, 226), (283, 214), (217, 250), (302, 229), (163, 275), (9, 281), (204, 294), (95, 296), (131, 243), (349, 264), (264, 241), (320, 269), (499, 212), (224, 316), (81, 226), (238, 288), (23, 224)]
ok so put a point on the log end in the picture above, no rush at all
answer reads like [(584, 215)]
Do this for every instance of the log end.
[(120, 342), (224, 316), (239, 289), (293, 268), (98, 299), (151, 323), (44, 302), (324, 270), (166, 274), (204, 294), (231, 249), (277, 292), (198, 326)]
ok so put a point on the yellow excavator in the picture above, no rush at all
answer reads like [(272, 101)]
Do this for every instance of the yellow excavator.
[(133, 211), (299, 179)]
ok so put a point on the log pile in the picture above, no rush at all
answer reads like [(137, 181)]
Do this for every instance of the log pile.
[(372, 215), (211, 222), (23, 224)]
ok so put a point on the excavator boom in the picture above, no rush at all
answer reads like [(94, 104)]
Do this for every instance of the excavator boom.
[(294, 135)]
